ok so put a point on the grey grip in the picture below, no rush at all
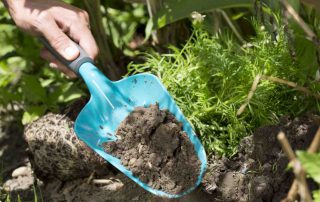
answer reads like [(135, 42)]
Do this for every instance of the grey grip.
[(73, 65)]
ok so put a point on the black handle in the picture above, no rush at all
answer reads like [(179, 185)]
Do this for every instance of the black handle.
[(73, 65)]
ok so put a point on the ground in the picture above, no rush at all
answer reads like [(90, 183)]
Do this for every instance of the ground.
[(256, 173)]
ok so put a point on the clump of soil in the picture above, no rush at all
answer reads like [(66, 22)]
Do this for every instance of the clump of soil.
[(153, 146), (56, 151)]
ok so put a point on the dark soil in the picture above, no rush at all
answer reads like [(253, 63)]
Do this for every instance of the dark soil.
[(258, 172), (153, 146)]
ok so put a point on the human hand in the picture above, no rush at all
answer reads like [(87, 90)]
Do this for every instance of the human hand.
[(58, 22)]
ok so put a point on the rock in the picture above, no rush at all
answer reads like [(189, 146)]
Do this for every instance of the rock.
[(21, 171), (22, 179)]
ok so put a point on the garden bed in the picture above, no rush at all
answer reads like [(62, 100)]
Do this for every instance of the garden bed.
[(257, 171)]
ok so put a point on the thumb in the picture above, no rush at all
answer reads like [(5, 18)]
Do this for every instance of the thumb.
[(60, 41)]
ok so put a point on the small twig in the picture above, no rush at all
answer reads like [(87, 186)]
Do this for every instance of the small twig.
[(315, 144), (291, 84), (297, 168), (286, 146), (299, 20), (232, 26), (302, 182), (292, 194), (101, 181), (91, 177), (250, 94)]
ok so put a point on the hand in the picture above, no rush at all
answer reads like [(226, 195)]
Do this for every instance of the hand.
[(57, 22)]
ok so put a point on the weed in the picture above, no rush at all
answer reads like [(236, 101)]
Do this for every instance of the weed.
[(211, 76)]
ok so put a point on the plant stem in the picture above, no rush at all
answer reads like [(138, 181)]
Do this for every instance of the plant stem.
[(250, 95), (291, 84), (299, 20), (297, 168), (293, 192), (286, 146)]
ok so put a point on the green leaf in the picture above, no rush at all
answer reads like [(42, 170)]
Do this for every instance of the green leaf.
[(32, 113), (7, 96), (65, 93), (311, 163), (71, 94), (46, 82), (173, 10), (32, 89), (316, 196), (7, 75), (149, 29), (35, 196)]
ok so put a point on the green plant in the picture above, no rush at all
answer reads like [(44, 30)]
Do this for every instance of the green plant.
[(171, 11), (311, 164), (211, 76), (28, 87)]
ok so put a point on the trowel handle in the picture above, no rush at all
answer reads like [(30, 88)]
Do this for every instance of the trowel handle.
[(73, 65)]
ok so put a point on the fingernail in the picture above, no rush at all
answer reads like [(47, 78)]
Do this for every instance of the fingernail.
[(71, 52), (53, 65)]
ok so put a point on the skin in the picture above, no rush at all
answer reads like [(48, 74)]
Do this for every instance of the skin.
[(59, 23)]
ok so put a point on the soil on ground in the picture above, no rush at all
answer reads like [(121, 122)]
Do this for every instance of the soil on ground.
[(152, 144), (257, 173)]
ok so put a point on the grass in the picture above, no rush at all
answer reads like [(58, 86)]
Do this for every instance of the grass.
[(210, 79)]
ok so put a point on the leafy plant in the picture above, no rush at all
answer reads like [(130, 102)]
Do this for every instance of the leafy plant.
[(311, 164), (171, 11), (211, 76)]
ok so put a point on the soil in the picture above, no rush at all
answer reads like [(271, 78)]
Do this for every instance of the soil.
[(154, 147), (258, 172)]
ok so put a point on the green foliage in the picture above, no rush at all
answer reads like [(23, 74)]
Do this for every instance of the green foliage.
[(27, 84), (311, 164), (211, 76), (123, 23), (316, 195), (172, 11)]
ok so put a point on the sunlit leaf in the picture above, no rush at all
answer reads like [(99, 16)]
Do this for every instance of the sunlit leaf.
[(316, 196), (311, 163), (32, 113), (32, 89), (173, 10)]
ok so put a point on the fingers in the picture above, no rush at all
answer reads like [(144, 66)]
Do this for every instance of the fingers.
[(55, 64), (77, 27), (59, 40), (82, 34)]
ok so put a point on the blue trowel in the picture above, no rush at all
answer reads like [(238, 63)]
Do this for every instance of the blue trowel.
[(111, 102)]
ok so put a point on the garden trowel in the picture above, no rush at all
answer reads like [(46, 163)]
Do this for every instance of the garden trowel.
[(111, 102)]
